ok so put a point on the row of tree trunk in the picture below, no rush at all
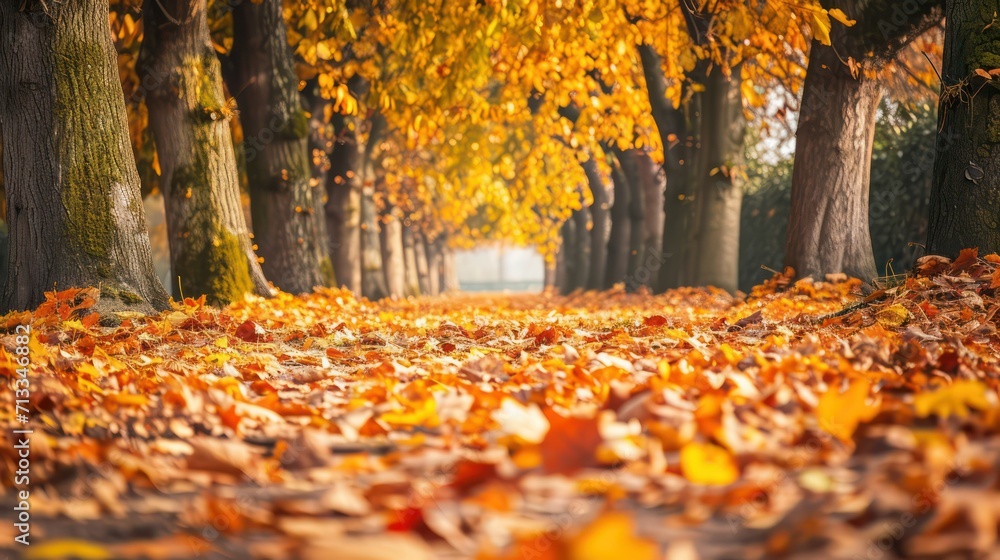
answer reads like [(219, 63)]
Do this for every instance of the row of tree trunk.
[(75, 214), (616, 239)]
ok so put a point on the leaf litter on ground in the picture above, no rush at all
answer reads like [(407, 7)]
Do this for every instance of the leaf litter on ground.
[(803, 420)]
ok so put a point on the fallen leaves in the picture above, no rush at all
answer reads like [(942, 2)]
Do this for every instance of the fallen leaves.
[(705, 463), (476, 425)]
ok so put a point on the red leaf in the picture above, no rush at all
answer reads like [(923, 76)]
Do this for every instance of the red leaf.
[(570, 444), (966, 258), (251, 332), (655, 321)]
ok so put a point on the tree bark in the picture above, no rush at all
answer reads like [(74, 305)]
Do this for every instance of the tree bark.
[(412, 285), (620, 237), (652, 188), (433, 252), (550, 278), (449, 271), (632, 162), (828, 229), (578, 255), (965, 197), (211, 252), (393, 258), (600, 217), (565, 267), (343, 212), (74, 210), (720, 189), (828, 225), (677, 128), (372, 275), (275, 129), (423, 265)]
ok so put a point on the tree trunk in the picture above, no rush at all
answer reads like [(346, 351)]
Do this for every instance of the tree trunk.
[(393, 258), (423, 265), (74, 211), (320, 146), (275, 129), (631, 160), (678, 135), (578, 255), (828, 225), (600, 216), (965, 198), (550, 278), (433, 252), (828, 228), (566, 266), (720, 189), (372, 275), (449, 271), (619, 240), (211, 252), (343, 212), (652, 189), (412, 286)]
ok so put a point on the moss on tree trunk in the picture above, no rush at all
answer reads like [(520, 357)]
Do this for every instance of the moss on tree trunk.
[(275, 128), (74, 209), (211, 250)]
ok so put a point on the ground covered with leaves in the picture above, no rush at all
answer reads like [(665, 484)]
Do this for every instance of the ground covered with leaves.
[(808, 419)]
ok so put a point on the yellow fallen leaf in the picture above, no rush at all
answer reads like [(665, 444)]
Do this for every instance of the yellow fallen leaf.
[(65, 549), (705, 463), (839, 413), (892, 316), (217, 358), (612, 535), (955, 399)]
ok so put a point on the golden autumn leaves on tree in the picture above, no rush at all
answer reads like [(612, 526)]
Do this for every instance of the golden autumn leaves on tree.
[(320, 161)]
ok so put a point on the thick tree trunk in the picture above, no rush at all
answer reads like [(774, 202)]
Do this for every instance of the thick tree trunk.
[(275, 129), (678, 134), (965, 198), (211, 252), (638, 234), (372, 276), (74, 211), (720, 189), (601, 217), (828, 225), (393, 258), (619, 240), (343, 213), (412, 285)]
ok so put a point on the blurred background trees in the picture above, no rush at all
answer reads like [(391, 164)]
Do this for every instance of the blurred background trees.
[(360, 143)]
